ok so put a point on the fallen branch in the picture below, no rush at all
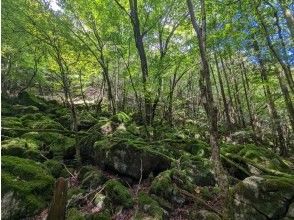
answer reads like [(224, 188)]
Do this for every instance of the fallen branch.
[(236, 165)]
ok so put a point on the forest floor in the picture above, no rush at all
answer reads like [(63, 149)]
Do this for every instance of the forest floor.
[(123, 175)]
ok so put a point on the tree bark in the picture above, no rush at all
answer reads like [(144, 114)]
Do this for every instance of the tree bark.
[(226, 106), (271, 104), (207, 96), (143, 59)]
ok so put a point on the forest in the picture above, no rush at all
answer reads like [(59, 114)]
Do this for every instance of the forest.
[(142, 110)]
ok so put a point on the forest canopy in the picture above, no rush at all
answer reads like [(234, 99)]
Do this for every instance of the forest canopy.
[(125, 98)]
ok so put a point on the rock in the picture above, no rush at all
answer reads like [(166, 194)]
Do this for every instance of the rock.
[(163, 186), (18, 146), (93, 179), (118, 194), (256, 154), (54, 167), (75, 214), (189, 173), (129, 158), (204, 215), (26, 187), (102, 215), (149, 206), (264, 197), (26, 98), (197, 170), (60, 146), (86, 121)]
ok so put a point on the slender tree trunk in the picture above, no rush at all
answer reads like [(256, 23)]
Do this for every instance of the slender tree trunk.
[(275, 54), (226, 106), (143, 59), (271, 104), (82, 90), (207, 96), (245, 88), (289, 17), (231, 104)]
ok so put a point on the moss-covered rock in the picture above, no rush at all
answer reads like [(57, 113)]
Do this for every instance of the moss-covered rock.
[(118, 193), (256, 154), (204, 215), (102, 215), (43, 122), (264, 197), (18, 147), (58, 145), (93, 179), (164, 187), (75, 214), (190, 172), (150, 206), (86, 120), (26, 187), (55, 167), (128, 158), (26, 98), (11, 122), (197, 170)]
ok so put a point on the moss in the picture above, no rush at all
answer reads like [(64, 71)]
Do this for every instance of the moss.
[(84, 170), (118, 193), (263, 194), (74, 191), (22, 109), (18, 147), (42, 122), (11, 122), (26, 98), (103, 215), (259, 154), (86, 120), (92, 179), (164, 187), (126, 156), (54, 167), (27, 182), (75, 214), (64, 172), (57, 143), (120, 117), (149, 205)]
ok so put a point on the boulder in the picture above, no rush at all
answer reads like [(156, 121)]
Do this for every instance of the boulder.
[(129, 158), (26, 187), (118, 194), (149, 207), (263, 197)]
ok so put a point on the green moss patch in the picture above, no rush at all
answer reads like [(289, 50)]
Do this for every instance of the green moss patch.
[(118, 194), (26, 187)]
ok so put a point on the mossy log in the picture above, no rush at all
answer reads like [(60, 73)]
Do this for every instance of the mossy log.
[(261, 168)]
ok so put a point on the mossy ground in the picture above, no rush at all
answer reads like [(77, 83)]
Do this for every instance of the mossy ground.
[(30, 184), (169, 162)]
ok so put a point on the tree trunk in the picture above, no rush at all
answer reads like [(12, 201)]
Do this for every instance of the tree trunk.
[(226, 106), (58, 204), (207, 96), (271, 104)]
